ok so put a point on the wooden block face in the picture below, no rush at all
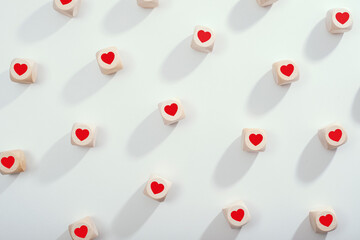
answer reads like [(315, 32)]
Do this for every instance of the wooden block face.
[(264, 3), (23, 71), (109, 60), (254, 139), (332, 136), (285, 72), (157, 188), (67, 7), (237, 214), (323, 220), (83, 135), (148, 3), (171, 111), (83, 229), (339, 20), (203, 39), (12, 162)]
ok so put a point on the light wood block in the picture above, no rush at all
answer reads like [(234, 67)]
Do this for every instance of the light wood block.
[(332, 136), (83, 135), (203, 39), (109, 60), (323, 220), (171, 111), (148, 3), (69, 8), (157, 188), (254, 139), (339, 20), (237, 214), (83, 229), (285, 72), (264, 3), (23, 71), (12, 162)]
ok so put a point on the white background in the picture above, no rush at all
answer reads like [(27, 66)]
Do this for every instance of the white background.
[(222, 93)]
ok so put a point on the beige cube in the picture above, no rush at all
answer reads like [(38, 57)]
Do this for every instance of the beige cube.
[(83, 135), (109, 60), (171, 111), (285, 72), (23, 71), (264, 3), (339, 20), (157, 188), (323, 220), (69, 8), (237, 214), (12, 162), (253, 140), (148, 3), (83, 229), (203, 39), (332, 136)]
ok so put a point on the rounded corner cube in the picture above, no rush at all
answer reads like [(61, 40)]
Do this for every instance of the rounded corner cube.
[(109, 60), (265, 3), (148, 3), (23, 71), (69, 8), (323, 220), (203, 39), (12, 162), (254, 139), (285, 72), (171, 111), (339, 20), (83, 135), (84, 229), (332, 136), (237, 214), (157, 188)]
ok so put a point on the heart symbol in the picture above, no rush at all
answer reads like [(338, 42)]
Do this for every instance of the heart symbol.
[(335, 135), (81, 232), (108, 57), (287, 70), (64, 2), (8, 162), (326, 220), (171, 109), (342, 17), (238, 215), (157, 187), (20, 69), (82, 134), (203, 36), (256, 139)]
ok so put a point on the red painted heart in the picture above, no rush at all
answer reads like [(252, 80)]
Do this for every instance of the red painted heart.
[(326, 220), (81, 232), (82, 134), (8, 162), (157, 188), (20, 69), (238, 215), (171, 109), (335, 135), (204, 36), (342, 17), (108, 57), (64, 2), (256, 139), (287, 70)]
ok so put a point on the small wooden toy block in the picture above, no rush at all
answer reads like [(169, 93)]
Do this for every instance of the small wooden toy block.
[(109, 60), (83, 135), (332, 136), (148, 3), (23, 71), (12, 162), (171, 111), (323, 220), (83, 229), (285, 72), (237, 214), (339, 20), (203, 39), (157, 188), (253, 139), (264, 3), (69, 8)]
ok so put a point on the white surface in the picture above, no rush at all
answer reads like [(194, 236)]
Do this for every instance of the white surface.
[(222, 92)]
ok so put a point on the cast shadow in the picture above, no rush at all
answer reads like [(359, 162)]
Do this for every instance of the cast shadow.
[(9, 90), (313, 160), (182, 61), (64, 236), (266, 94), (136, 211), (219, 229), (320, 42), (356, 107), (6, 182), (305, 231), (149, 134), (42, 23)]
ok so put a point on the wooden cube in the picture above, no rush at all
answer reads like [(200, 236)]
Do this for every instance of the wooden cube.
[(265, 3), (285, 72), (323, 220), (148, 3), (83, 229), (157, 188), (23, 70), (237, 214), (332, 136), (339, 20), (171, 111), (203, 39), (254, 140), (109, 60), (83, 135), (12, 162), (69, 8)]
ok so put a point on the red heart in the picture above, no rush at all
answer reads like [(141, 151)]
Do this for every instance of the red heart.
[(326, 220), (20, 69), (82, 134), (81, 232), (157, 187), (203, 36), (108, 57), (256, 139), (171, 109), (238, 215), (335, 135), (287, 70), (8, 162), (342, 17)]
